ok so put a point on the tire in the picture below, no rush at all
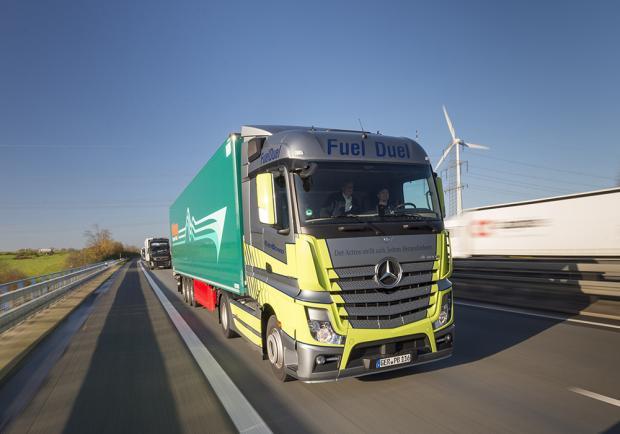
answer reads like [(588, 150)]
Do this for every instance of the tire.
[(275, 349), (190, 290), (226, 317), (151, 266), (185, 297)]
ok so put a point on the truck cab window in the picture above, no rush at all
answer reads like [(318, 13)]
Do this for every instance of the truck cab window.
[(417, 192), (280, 192), (338, 192)]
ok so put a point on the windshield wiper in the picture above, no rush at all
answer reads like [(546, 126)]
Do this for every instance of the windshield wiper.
[(419, 226), (366, 224), (412, 216), (417, 219)]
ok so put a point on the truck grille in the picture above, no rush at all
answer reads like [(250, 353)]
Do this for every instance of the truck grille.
[(367, 304)]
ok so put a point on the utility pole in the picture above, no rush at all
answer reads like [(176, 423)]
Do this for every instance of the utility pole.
[(459, 187)]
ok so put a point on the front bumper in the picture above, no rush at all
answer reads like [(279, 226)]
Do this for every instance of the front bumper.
[(165, 263), (301, 358)]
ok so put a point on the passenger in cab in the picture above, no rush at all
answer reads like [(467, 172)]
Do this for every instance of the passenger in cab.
[(341, 203)]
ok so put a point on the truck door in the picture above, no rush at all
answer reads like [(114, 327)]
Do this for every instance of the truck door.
[(268, 233)]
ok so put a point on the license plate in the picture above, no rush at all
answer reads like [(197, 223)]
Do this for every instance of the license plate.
[(392, 361)]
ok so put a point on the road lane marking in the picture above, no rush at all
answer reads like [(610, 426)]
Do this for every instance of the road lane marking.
[(241, 412), (540, 315), (597, 396)]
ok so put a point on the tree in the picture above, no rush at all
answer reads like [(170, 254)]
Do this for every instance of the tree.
[(100, 246)]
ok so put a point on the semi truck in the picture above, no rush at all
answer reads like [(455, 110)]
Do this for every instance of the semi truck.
[(559, 226), (157, 253), (325, 249)]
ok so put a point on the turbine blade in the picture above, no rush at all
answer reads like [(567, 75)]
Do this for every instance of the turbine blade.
[(449, 122), (443, 156), (475, 146)]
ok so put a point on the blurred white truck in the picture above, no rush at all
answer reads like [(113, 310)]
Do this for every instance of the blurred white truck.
[(578, 225)]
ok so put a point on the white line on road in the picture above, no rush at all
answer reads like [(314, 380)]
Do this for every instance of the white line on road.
[(540, 315), (597, 396), (241, 412)]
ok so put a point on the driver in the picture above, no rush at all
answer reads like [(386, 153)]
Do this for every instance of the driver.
[(341, 203), (383, 201)]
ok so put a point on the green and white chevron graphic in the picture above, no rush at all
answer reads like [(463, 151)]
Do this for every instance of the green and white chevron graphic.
[(210, 227)]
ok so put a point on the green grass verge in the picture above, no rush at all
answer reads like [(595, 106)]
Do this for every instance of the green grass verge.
[(38, 265)]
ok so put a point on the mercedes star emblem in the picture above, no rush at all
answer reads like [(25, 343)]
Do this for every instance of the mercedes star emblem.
[(388, 273)]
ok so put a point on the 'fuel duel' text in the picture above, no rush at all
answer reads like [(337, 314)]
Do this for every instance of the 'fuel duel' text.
[(334, 147)]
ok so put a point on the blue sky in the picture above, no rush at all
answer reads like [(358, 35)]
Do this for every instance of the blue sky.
[(108, 109)]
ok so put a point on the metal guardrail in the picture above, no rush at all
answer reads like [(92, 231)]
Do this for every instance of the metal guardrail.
[(18, 284), (592, 276), (17, 305)]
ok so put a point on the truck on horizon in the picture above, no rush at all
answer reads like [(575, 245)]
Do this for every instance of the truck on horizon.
[(325, 249), (156, 253)]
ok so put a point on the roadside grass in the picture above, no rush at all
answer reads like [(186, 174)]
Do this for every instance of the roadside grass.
[(35, 266)]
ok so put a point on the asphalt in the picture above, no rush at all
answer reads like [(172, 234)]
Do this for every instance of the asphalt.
[(126, 370), (510, 373)]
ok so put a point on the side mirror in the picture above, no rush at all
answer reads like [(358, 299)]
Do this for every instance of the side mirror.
[(439, 185), (266, 199)]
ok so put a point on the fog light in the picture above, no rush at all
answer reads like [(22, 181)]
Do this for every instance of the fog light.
[(320, 360)]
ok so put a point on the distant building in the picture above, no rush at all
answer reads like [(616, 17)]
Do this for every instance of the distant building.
[(49, 251)]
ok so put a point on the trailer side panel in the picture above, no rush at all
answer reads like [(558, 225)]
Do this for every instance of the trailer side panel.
[(205, 222)]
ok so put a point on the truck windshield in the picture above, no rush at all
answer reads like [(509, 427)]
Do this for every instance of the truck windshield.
[(336, 192), (159, 246)]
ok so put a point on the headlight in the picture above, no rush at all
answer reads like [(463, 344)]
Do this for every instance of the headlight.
[(446, 311), (321, 328)]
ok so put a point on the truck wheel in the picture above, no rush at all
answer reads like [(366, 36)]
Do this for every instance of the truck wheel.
[(185, 297), (275, 349), (192, 299), (226, 317), (151, 266)]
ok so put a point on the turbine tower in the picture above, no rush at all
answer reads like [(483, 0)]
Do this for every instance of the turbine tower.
[(456, 144)]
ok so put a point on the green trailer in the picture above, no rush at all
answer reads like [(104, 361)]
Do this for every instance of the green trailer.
[(206, 227)]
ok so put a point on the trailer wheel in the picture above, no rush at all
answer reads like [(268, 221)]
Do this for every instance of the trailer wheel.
[(275, 349), (226, 317), (185, 297), (192, 299), (179, 280)]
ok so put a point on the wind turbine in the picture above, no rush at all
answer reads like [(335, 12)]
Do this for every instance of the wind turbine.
[(456, 144)]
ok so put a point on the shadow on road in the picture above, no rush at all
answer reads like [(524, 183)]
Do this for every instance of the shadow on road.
[(480, 333), (126, 388), (259, 393)]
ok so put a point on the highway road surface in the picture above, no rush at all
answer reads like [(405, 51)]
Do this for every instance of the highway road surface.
[(127, 369)]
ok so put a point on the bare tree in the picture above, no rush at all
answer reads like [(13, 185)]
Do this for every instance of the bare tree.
[(97, 236), (99, 246)]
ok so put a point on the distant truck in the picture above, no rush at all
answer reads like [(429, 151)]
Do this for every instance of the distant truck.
[(577, 225), (325, 249), (157, 253)]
